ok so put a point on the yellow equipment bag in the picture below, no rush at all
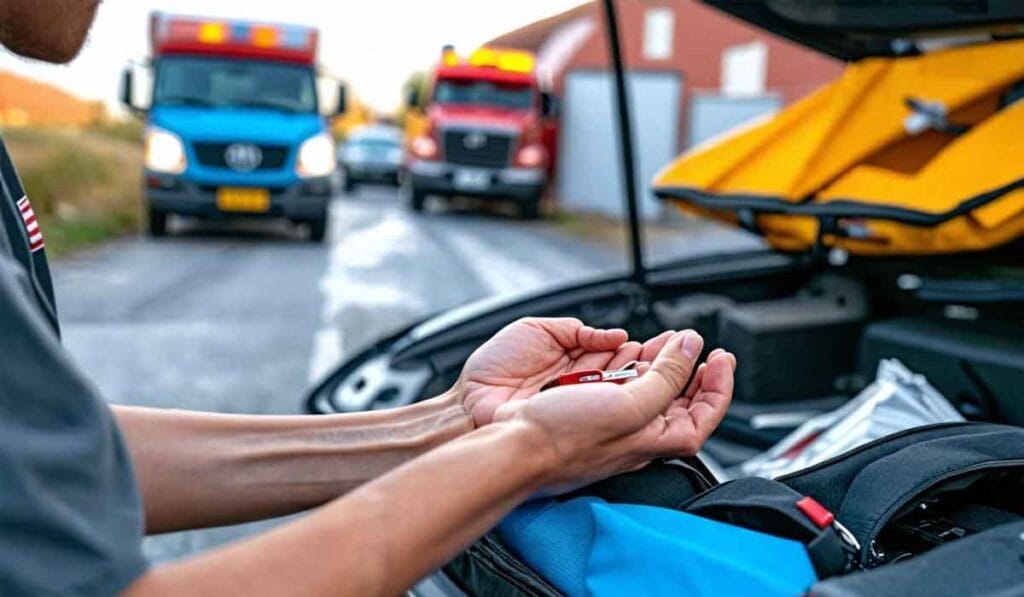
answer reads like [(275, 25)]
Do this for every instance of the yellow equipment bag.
[(911, 155)]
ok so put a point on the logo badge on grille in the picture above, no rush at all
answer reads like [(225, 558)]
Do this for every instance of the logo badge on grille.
[(243, 157), (474, 140)]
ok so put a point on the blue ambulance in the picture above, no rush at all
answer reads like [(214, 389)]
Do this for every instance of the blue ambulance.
[(234, 124)]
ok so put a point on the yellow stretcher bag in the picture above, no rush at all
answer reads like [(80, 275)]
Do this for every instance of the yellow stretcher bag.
[(911, 155)]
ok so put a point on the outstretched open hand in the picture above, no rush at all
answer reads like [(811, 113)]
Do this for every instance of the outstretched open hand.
[(598, 430), (528, 353)]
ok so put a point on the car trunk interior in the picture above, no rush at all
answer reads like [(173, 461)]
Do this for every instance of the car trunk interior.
[(807, 341)]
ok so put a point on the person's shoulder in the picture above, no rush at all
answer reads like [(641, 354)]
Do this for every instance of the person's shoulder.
[(13, 276)]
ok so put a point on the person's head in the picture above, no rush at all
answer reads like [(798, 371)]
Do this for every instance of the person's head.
[(50, 30)]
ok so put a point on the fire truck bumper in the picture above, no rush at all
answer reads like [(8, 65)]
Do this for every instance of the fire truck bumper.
[(441, 178)]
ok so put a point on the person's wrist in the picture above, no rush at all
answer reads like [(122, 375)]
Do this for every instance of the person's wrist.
[(458, 394), (453, 404), (536, 445), (438, 420)]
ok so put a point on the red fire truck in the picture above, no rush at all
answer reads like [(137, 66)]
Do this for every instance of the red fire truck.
[(488, 130)]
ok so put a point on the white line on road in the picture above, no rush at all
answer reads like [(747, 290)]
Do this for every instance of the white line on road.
[(326, 352), (499, 272), (388, 265)]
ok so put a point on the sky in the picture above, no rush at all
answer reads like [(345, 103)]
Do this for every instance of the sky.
[(372, 44)]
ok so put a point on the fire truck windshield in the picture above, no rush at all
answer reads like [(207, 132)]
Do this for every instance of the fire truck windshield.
[(220, 82), (486, 93)]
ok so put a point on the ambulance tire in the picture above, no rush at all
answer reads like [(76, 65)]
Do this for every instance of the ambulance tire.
[(417, 199), (157, 222), (317, 230)]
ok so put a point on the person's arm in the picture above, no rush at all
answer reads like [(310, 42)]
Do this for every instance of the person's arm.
[(203, 469), (383, 536)]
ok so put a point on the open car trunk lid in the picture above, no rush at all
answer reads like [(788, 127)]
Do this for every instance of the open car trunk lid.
[(860, 29), (910, 154)]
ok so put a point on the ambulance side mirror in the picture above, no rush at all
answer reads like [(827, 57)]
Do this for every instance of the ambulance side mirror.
[(129, 95), (127, 80), (549, 105)]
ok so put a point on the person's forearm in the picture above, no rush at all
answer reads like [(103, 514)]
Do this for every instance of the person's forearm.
[(382, 537), (200, 469)]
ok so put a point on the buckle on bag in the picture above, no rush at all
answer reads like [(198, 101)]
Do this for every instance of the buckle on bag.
[(822, 518)]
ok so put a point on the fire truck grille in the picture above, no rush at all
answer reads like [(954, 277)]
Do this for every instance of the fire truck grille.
[(484, 149), (212, 154)]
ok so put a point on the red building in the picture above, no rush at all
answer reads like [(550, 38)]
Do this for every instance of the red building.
[(694, 73)]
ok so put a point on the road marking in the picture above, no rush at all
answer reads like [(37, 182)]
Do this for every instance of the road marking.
[(364, 283), (326, 353), (360, 247), (499, 272)]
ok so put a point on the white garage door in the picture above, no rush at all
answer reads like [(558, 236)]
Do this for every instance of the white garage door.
[(589, 172), (712, 115)]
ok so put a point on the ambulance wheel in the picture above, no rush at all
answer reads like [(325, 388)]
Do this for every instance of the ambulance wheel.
[(317, 230), (157, 222), (417, 199)]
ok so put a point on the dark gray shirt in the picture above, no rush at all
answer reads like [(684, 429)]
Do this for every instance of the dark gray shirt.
[(70, 514)]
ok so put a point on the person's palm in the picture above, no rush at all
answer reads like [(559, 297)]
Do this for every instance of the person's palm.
[(518, 361)]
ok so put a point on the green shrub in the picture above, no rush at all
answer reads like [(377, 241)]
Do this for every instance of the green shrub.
[(129, 129), (85, 186), (65, 171)]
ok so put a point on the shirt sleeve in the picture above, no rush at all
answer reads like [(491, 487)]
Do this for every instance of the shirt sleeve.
[(70, 515)]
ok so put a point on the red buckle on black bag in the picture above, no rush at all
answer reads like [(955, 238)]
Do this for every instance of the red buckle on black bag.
[(817, 513)]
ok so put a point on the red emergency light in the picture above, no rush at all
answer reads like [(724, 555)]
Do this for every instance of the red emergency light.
[(176, 34)]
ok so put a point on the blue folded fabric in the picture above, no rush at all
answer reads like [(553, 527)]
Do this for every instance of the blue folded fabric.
[(586, 546)]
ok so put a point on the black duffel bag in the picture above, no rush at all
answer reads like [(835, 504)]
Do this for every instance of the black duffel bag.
[(989, 563), (885, 502)]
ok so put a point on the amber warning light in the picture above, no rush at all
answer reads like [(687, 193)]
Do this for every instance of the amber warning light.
[(174, 34), (513, 61)]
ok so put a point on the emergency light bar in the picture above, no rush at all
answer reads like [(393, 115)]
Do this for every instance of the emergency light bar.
[(516, 61), (512, 61), (175, 34)]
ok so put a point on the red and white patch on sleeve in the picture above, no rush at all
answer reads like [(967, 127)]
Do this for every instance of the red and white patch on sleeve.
[(35, 233)]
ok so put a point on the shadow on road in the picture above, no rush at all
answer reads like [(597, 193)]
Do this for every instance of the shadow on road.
[(458, 207), (254, 230)]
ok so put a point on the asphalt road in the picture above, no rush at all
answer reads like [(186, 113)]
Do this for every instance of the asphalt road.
[(243, 318)]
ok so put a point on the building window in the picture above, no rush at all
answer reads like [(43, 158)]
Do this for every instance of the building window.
[(744, 69), (659, 25)]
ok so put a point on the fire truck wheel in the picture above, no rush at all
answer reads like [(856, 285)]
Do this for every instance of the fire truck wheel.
[(157, 222), (530, 210)]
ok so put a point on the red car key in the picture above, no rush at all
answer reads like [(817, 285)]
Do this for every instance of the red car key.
[(619, 376)]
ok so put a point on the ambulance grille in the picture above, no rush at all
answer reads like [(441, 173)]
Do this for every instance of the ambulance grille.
[(483, 149), (212, 155)]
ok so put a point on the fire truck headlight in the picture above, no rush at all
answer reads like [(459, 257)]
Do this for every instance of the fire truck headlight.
[(531, 156), (424, 148), (316, 156), (164, 151)]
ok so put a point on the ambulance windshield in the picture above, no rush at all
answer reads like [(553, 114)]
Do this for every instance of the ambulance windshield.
[(219, 82)]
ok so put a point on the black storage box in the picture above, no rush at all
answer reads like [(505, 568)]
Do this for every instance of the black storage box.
[(799, 348), (976, 365)]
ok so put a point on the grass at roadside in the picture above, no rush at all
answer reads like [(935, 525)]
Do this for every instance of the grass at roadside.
[(590, 227), (85, 186)]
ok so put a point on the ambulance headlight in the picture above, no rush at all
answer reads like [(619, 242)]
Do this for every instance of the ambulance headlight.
[(316, 156), (164, 151)]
